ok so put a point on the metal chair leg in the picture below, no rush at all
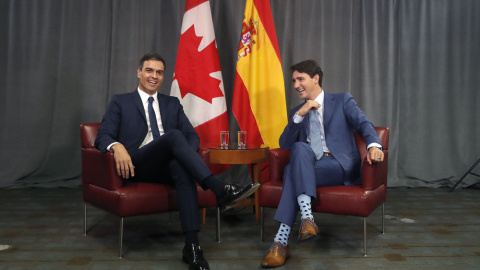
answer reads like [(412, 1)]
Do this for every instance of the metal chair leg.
[(120, 238), (365, 236), (217, 227), (262, 223), (469, 171), (365, 229), (85, 219)]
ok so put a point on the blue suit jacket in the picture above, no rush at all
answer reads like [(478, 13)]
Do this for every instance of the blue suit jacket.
[(341, 117), (125, 122)]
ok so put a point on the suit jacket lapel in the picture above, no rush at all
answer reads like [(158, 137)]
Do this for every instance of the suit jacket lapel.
[(138, 103), (163, 111), (329, 104)]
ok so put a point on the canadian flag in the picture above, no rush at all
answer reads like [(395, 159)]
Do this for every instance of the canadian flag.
[(197, 79)]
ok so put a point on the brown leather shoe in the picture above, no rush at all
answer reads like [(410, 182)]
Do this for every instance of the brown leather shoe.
[(276, 256), (308, 229)]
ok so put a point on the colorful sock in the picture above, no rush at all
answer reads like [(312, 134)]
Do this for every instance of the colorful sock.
[(304, 201), (283, 234)]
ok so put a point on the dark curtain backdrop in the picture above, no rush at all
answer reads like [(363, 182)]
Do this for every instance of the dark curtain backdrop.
[(413, 66)]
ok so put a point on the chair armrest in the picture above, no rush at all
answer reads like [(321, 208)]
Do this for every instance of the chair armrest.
[(99, 169), (375, 175), (278, 159)]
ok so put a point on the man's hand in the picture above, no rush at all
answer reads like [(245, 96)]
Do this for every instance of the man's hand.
[(374, 155), (309, 105), (123, 161)]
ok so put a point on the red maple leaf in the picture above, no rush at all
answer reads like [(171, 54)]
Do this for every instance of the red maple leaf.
[(193, 68)]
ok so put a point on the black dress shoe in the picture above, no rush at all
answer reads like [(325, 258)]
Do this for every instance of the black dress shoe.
[(234, 193), (193, 255)]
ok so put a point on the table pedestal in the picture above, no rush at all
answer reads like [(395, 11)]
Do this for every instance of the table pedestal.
[(254, 157)]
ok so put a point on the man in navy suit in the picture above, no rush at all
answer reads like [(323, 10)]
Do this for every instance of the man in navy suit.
[(153, 141), (319, 135)]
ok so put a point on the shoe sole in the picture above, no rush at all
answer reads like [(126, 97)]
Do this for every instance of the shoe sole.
[(275, 266), (250, 192), (185, 260), (306, 236)]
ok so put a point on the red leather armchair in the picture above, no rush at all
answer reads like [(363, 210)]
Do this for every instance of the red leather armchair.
[(356, 200), (104, 189)]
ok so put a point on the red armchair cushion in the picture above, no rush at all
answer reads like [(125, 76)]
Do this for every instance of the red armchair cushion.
[(103, 188), (131, 200), (357, 200)]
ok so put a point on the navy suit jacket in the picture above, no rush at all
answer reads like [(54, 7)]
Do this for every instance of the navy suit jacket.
[(341, 116), (125, 122)]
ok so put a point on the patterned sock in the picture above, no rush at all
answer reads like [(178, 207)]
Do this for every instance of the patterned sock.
[(304, 201), (283, 234)]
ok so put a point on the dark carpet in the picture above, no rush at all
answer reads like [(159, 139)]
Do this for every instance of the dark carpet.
[(424, 229)]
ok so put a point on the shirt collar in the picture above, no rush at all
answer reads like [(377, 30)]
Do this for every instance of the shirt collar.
[(320, 98), (144, 96)]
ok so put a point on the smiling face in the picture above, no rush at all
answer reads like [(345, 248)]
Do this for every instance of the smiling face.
[(306, 86), (150, 76)]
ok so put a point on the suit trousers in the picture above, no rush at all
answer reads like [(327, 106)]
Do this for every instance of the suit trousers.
[(169, 159), (301, 176)]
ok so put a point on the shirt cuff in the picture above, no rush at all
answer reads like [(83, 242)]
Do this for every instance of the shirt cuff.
[(375, 145), (297, 118), (110, 146)]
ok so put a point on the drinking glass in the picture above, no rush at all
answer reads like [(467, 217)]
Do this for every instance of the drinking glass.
[(242, 139), (224, 139)]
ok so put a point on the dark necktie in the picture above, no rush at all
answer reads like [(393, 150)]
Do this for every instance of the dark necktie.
[(153, 119), (315, 134)]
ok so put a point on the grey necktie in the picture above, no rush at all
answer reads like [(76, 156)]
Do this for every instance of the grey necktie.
[(315, 134)]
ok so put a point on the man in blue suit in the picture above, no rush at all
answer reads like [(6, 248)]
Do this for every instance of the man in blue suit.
[(153, 141), (323, 152)]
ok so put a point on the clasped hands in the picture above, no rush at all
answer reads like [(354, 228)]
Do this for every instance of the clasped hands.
[(123, 162)]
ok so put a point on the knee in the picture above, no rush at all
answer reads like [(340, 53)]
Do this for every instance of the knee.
[(299, 148), (175, 136), (301, 152)]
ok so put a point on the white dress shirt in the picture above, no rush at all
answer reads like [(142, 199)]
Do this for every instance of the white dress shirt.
[(144, 97)]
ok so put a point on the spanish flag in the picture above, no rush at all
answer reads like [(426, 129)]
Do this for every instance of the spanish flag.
[(259, 91)]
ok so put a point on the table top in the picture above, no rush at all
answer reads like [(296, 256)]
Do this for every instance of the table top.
[(239, 156)]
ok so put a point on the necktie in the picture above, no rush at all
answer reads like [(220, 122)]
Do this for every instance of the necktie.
[(153, 119), (315, 134)]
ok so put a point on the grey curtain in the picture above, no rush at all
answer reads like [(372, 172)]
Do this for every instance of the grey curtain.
[(412, 65)]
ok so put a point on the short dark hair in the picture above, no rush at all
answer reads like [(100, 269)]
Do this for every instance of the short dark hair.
[(151, 56), (310, 67)]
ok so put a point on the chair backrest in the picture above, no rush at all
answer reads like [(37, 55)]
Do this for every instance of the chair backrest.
[(383, 134), (88, 134)]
